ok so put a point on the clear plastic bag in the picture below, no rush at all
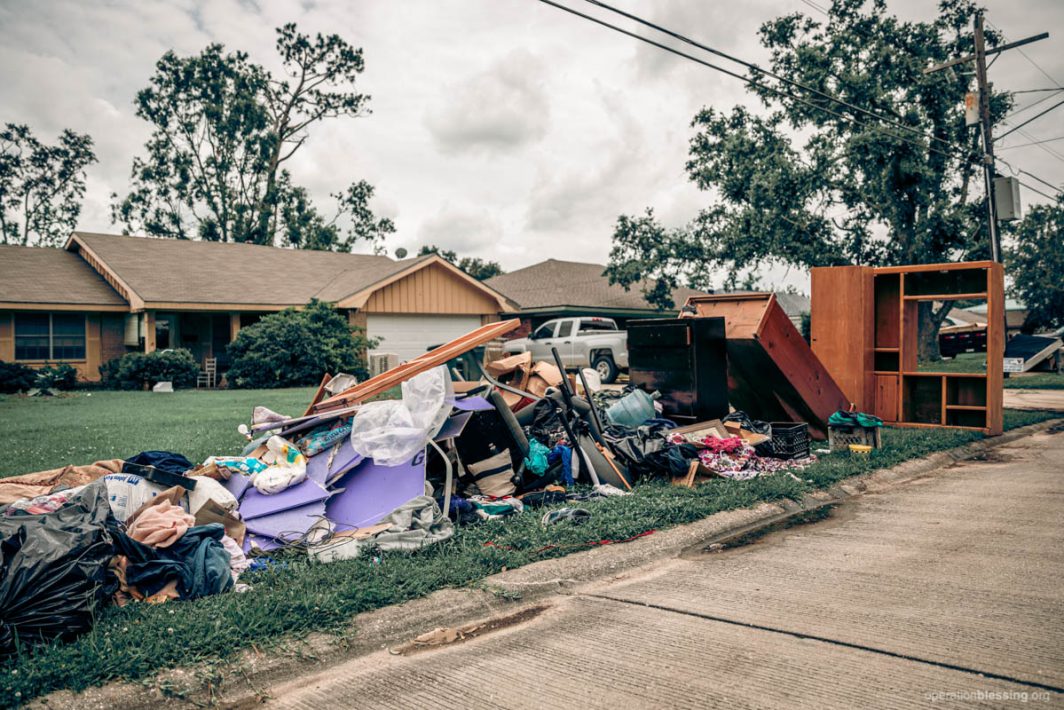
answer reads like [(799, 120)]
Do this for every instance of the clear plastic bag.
[(392, 432)]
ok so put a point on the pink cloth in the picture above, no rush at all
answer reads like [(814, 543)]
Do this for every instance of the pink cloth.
[(161, 525)]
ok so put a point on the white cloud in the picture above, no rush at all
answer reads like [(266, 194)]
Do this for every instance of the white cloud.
[(499, 109)]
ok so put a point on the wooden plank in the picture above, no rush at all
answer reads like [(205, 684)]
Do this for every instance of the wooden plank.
[(995, 348), (841, 329), (318, 394), (886, 402), (741, 312), (422, 363), (916, 268)]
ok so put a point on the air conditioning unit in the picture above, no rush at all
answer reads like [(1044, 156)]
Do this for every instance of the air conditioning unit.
[(382, 362)]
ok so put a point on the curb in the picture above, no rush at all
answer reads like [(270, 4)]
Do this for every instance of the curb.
[(242, 681)]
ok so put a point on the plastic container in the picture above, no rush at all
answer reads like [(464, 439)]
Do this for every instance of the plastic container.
[(790, 440), (634, 409), (862, 449)]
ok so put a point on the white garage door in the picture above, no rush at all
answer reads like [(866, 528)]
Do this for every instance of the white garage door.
[(411, 335)]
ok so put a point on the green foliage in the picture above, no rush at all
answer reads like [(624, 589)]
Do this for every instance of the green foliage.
[(41, 186), (15, 378), (135, 370), (224, 128), (60, 376), (136, 641), (803, 187), (1036, 264), (479, 269), (294, 348)]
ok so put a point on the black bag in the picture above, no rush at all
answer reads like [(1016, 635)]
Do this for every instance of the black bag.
[(54, 570)]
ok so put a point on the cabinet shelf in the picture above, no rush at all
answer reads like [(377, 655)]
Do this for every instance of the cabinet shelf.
[(887, 350), (965, 408), (946, 297)]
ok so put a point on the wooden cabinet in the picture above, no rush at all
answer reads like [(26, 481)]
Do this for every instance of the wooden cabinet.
[(865, 326)]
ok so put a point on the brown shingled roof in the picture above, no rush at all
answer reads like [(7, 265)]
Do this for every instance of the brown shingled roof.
[(180, 271), (554, 283), (43, 275)]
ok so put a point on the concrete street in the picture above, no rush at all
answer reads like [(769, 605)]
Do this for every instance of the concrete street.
[(943, 592)]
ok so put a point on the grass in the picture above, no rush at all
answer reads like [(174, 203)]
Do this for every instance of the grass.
[(82, 427), (299, 596), (1036, 381)]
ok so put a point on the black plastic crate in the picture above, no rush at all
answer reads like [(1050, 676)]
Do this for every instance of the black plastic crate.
[(790, 440)]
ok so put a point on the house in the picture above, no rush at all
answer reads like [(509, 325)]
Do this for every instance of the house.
[(558, 289), (104, 295)]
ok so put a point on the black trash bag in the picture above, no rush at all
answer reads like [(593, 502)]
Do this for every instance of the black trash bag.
[(54, 570), (636, 447)]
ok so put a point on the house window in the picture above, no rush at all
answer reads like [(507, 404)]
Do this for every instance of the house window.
[(50, 336)]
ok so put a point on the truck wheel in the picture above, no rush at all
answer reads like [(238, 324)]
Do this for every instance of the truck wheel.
[(606, 369)]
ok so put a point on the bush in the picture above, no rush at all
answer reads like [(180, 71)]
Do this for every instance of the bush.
[(16, 378), (134, 370), (61, 377), (294, 348)]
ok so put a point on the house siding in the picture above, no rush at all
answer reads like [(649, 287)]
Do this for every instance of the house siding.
[(433, 289)]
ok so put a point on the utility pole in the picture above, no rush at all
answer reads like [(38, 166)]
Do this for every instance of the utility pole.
[(985, 127), (988, 138)]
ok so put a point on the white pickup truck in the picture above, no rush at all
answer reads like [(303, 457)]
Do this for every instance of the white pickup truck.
[(581, 342)]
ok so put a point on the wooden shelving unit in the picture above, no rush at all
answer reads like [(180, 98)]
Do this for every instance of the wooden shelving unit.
[(864, 329)]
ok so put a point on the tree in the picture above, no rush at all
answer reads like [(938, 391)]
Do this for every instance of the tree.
[(479, 269), (813, 183), (1036, 264), (224, 129), (296, 347), (41, 186)]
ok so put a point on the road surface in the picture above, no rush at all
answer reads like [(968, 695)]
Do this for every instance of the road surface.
[(944, 592)]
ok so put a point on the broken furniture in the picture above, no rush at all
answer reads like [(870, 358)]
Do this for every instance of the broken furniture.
[(684, 359), (865, 328), (773, 375)]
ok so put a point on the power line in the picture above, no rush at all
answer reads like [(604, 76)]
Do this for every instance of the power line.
[(1045, 148), (1025, 145), (759, 70), (1035, 91), (1035, 64), (747, 80), (1032, 118)]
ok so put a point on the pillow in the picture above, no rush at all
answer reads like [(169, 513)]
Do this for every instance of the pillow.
[(494, 476)]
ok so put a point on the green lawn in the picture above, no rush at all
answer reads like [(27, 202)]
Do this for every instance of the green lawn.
[(82, 427), (300, 596), (1036, 381)]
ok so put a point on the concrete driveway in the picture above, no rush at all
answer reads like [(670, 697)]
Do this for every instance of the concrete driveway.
[(944, 592), (1052, 400)]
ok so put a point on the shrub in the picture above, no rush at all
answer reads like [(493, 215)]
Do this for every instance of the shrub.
[(293, 348), (134, 370), (16, 378), (61, 377)]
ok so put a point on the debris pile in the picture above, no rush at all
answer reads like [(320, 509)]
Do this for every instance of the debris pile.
[(353, 473)]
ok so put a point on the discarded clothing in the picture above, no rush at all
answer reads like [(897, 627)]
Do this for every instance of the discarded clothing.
[(576, 516), (238, 561), (197, 564), (165, 461), (854, 419), (161, 525), (489, 508), (41, 483), (53, 571), (42, 504), (536, 461), (413, 525), (241, 464)]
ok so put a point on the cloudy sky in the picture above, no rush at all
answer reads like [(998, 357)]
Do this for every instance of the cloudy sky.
[(503, 129)]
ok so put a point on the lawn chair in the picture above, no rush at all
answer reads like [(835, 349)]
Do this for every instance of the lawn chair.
[(208, 375)]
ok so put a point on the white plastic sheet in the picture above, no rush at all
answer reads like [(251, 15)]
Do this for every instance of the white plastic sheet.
[(392, 432)]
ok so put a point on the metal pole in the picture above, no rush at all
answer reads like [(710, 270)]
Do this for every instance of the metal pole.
[(988, 138)]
